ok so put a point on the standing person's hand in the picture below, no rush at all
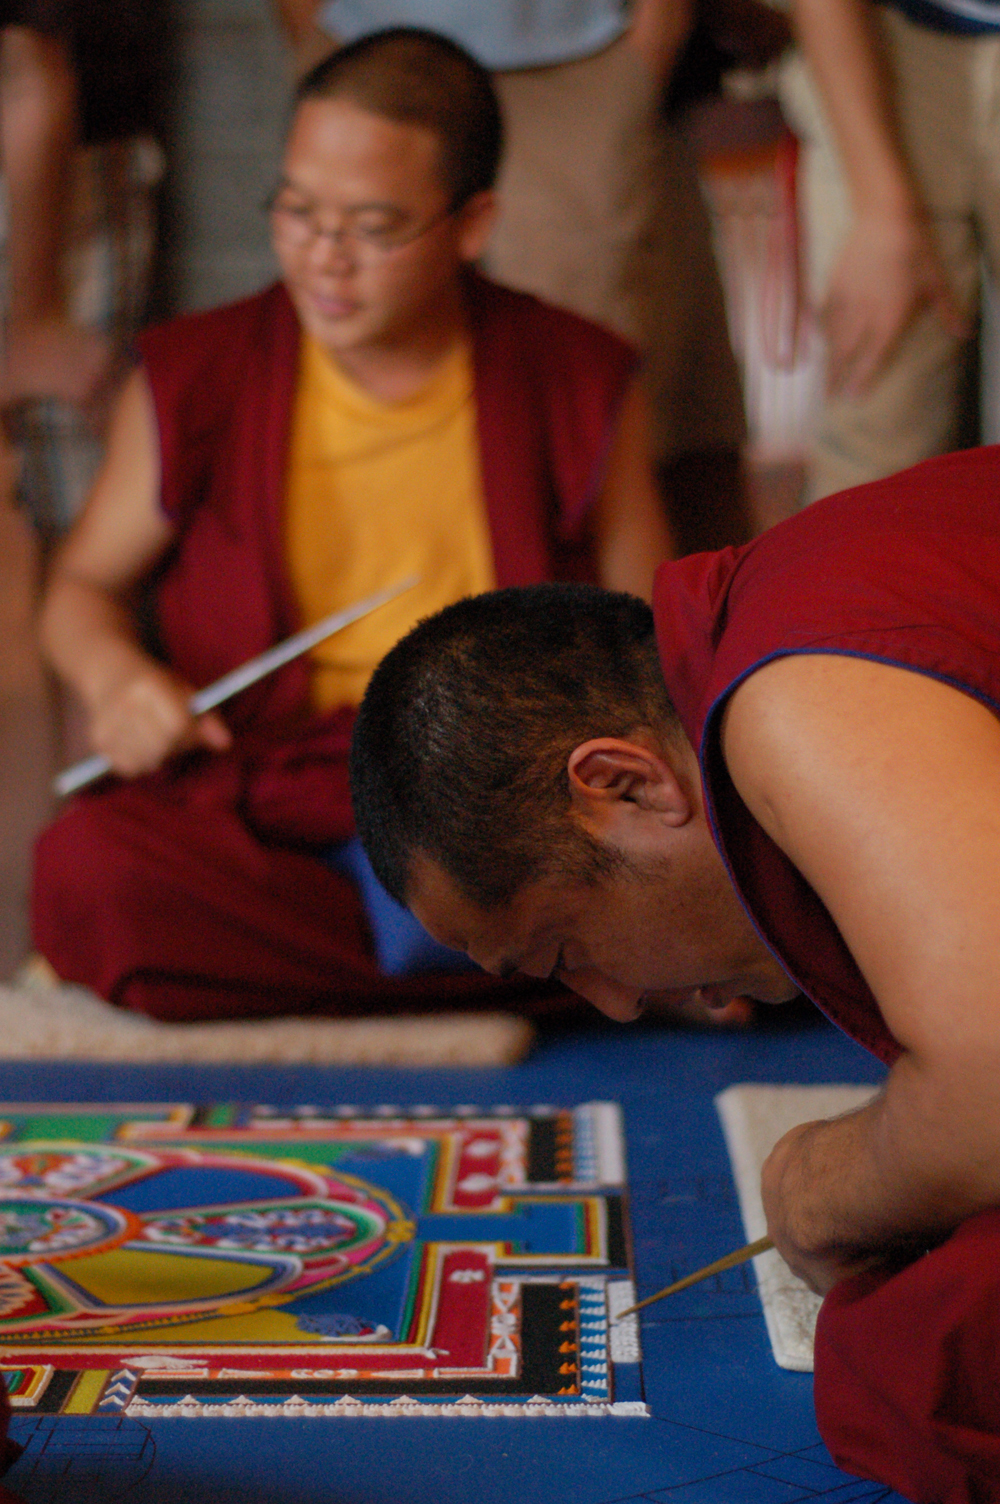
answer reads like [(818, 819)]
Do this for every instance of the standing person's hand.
[(888, 272), (51, 357)]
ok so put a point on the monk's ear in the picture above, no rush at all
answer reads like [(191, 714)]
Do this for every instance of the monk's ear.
[(607, 773), (476, 219)]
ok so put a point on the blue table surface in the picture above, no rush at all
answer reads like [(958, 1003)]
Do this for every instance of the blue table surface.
[(728, 1426)]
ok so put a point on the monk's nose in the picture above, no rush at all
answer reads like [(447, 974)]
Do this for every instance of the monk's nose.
[(623, 1004)]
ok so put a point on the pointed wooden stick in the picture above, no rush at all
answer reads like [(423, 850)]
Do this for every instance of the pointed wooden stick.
[(740, 1256)]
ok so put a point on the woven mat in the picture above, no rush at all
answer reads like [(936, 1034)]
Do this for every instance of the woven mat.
[(61, 1022), (753, 1120)]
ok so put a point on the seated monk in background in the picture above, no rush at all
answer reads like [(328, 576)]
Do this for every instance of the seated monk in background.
[(381, 412)]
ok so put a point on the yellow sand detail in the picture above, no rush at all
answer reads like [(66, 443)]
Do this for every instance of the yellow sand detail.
[(86, 1391), (134, 1277)]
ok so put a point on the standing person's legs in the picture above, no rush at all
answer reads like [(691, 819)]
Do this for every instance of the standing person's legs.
[(601, 212), (576, 182), (694, 387), (986, 96), (108, 270), (913, 408)]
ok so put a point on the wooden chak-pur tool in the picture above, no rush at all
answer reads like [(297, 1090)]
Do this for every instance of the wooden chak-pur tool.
[(739, 1256)]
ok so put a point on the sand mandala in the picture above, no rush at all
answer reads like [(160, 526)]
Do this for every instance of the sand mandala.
[(173, 1260)]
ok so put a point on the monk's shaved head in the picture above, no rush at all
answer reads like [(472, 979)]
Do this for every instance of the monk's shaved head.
[(462, 741), (420, 78)]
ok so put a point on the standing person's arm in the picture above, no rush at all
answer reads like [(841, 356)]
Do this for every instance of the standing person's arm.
[(658, 30), (889, 269), (137, 708), (45, 353), (307, 39), (631, 534)]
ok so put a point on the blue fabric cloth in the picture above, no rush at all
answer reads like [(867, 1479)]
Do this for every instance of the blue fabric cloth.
[(516, 34), (403, 947), (966, 17)]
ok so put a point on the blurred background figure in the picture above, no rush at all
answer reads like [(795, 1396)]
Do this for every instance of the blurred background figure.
[(601, 211), (80, 104), (897, 106), (78, 113)]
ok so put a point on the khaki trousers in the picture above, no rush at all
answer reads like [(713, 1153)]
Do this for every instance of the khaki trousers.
[(601, 213), (947, 98)]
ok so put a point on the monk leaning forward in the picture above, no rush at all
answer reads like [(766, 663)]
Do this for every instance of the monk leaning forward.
[(790, 782), (382, 412)]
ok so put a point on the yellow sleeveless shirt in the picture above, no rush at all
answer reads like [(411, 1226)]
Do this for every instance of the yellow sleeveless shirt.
[(377, 491)]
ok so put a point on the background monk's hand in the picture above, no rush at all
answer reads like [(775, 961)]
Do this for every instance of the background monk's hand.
[(143, 718)]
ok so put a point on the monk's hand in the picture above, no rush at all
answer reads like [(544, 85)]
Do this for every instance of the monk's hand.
[(818, 1259), (143, 717)]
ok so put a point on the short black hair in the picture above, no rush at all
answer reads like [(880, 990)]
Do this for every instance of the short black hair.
[(462, 740), (420, 78)]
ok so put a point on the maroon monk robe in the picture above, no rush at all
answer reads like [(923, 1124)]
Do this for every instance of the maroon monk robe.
[(908, 1371), (905, 571), (196, 892)]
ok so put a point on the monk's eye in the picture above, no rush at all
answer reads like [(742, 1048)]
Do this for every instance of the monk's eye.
[(380, 231)]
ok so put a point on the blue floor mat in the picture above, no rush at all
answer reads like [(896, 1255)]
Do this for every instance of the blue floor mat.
[(728, 1426)]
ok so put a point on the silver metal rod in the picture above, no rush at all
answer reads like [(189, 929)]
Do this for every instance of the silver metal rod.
[(92, 768)]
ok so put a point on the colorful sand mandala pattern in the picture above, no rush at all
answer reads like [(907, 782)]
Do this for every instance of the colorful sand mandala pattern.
[(33, 1228), (167, 1259)]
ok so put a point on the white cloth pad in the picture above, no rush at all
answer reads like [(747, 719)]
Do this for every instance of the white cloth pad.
[(62, 1022), (753, 1120)]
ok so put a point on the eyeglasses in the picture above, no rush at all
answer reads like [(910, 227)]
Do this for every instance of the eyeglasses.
[(361, 233)]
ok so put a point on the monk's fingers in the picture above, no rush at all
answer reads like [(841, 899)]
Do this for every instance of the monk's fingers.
[(213, 732), (144, 722)]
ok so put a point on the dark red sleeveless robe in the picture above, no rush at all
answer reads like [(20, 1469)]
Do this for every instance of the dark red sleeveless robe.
[(905, 571), (196, 892)]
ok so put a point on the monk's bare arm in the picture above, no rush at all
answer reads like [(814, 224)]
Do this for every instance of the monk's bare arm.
[(631, 534), (137, 709), (883, 787)]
